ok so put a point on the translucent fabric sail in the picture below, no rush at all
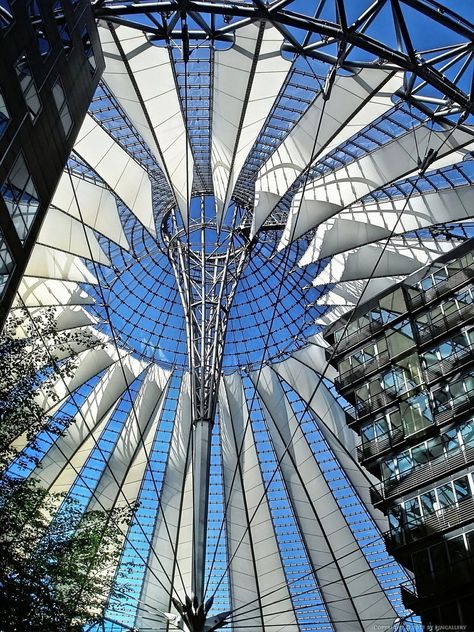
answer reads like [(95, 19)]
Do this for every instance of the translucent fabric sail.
[(242, 179)]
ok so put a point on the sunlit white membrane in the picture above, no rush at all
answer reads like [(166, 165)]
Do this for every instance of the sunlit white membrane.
[(293, 542)]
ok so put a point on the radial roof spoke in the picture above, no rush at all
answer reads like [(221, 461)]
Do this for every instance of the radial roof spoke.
[(247, 172)]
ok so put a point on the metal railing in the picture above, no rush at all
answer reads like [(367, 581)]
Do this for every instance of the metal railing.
[(352, 375), (352, 339), (384, 398), (427, 296), (425, 472), (442, 520), (458, 405), (454, 361), (369, 449), (428, 331)]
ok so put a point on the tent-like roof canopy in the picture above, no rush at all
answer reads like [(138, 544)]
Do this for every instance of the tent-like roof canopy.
[(247, 171)]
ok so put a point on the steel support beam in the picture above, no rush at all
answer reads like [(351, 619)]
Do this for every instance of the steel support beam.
[(207, 263), (338, 32)]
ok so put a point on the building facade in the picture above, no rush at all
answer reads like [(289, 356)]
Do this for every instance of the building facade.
[(51, 65), (405, 364)]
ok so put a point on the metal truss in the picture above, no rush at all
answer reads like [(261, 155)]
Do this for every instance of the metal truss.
[(207, 263), (331, 35)]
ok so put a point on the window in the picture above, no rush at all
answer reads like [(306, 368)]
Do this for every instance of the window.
[(412, 511), (63, 108), (421, 563), (456, 392), (428, 502), (467, 433), (416, 413), (368, 353), (4, 116), (441, 399), (368, 432), (445, 495), (394, 518), (464, 296), (380, 428), (419, 455), (36, 20), (389, 470), (6, 16), (451, 441), (6, 264), (20, 196), (88, 50), (459, 345), (457, 549), (462, 488), (64, 33), (28, 87), (405, 463), (434, 448), (433, 279), (439, 556), (430, 358)]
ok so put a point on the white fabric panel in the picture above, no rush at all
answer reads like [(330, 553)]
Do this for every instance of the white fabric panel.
[(54, 471), (90, 362), (151, 102), (117, 169), (63, 232), (346, 185), (70, 345), (317, 339), (353, 596), (304, 379), (54, 264), (355, 101), (247, 80), (55, 390), (314, 356), (331, 420), (64, 317), (121, 480), (398, 257), (256, 567), (363, 224), (332, 314), (92, 204), (35, 292), (349, 292), (174, 533)]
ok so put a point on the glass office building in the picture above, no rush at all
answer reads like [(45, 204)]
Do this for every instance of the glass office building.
[(51, 65), (405, 364)]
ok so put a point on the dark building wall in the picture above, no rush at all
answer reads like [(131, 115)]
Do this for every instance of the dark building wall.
[(51, 63), (406, 365)]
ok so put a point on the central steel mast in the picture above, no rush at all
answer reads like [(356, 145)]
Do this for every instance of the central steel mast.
[(207, 262)]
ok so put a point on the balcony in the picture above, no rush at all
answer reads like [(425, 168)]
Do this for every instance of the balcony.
[(355, 374), (424, 473), (454, 407), (439, 522), (428, 332), (384, 398), (447, 581), (453, 362), (367, 331), (454, 281), (369, 449), (409, 595)]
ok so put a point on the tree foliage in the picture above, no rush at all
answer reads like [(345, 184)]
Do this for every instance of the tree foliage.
[(57, 565)]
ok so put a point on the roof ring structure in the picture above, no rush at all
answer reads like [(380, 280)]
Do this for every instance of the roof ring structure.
[(223, 204)]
